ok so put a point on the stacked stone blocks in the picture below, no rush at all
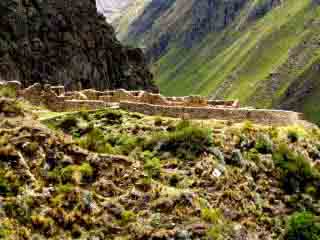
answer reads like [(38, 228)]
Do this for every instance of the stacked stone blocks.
[(57, 99)]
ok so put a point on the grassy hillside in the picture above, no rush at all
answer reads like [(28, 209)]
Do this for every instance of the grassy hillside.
[(257, 64), (270, 60)]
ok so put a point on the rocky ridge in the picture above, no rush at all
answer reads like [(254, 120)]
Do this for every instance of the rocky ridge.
[(67, 43)]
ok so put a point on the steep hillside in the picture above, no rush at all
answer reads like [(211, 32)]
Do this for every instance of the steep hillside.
[(265, 53), (111, 174), (66, 42)]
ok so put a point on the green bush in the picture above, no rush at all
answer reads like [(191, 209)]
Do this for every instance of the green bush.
[(183, 124), (264, 144), (297, 172), (216, 233), (109, 116), (126, 144), (127, 216), (5, 188), (77, 173), (65, 188), (247, 126), (303, 226), (293, 136), (221, 228), (213, 216), (68, 123), (95, 141), (8, 92), (158, 121), (186, 142), (9, 187), (153, 167), (4, 232)]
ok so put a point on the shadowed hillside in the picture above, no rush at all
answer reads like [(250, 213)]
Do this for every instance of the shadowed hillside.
[(66, 42)]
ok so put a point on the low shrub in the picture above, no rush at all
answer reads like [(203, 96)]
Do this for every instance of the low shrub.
[(109, 116), (303, 226), (9, 186), (296, 171), (295, 133), (95, 141), (153, 167), (264, 144), (68, 122), (174, 180), (158, 121), (77, 173), (65, 188), (127, 216), (5, 188), (221, 228), (8, 92), (126, 144), (293, 136), (42, 223), (216, 233), (212, 215), (247, 126), (186, 142), (183, 124), (4, 232)]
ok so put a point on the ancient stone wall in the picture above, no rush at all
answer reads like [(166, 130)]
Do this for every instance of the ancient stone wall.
[(191, 107), (263, 116)]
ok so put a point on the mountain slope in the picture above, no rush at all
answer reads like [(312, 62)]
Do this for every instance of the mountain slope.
[(66, 42), (169, 179), (265, 53)]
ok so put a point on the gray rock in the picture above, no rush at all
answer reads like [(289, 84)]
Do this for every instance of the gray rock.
[(183, 235)]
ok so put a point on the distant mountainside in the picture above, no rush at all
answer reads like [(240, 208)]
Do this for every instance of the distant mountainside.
[(112, 8), (264, 52), (66, 42)]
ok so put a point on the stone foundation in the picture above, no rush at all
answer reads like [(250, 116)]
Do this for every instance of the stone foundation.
[(262, 116), (190, 107)]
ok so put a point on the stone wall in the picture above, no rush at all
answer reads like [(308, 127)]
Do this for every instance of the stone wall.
[(190, 107), (79, 105), (263, 116)]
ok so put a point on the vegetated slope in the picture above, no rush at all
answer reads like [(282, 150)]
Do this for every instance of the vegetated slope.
[(66, 42), (173, 179), (265, 53), (127, 17)]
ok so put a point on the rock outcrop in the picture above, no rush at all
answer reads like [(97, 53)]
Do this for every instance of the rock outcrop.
[(66, 42)]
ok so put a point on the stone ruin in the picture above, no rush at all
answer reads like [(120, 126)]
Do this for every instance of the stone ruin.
[(57, 99)]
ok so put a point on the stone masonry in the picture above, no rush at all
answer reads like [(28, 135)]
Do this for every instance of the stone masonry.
[(56, 98)]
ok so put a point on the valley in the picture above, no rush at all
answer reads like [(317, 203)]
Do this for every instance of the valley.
[(264, 53)]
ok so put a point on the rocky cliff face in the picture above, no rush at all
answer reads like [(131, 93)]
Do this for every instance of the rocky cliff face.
[(66, 42)]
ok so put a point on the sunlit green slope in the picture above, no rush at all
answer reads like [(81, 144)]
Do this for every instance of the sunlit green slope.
[(268, 63), (263, 52)]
